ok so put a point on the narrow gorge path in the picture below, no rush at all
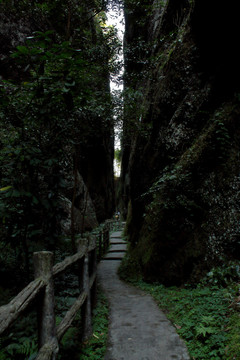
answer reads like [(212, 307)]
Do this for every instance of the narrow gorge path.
[(138, 329)]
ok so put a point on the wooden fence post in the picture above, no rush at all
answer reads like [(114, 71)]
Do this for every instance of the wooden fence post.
[(94, 270), (99, 245), (84, 285), (86, 310), (43, 264), (108, 237), (104, 240)]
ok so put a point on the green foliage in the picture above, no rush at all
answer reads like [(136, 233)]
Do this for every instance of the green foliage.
[(69, 345), (206, 317), (140, 9), (117, 161), (55, 99), (24, 348), (223, 275), (130, 269), (95, 348), (33, 145), (20, 343), (135, 109), (202, 317), (222, 138), (58, 102), (118, 155), (233, 349)]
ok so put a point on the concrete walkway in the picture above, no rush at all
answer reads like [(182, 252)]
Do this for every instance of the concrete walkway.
[(138, 329)]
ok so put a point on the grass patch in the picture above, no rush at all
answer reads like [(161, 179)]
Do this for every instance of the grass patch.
[(95, 348), (233, 348), (203, 317)]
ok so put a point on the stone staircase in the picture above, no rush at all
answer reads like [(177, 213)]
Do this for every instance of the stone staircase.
[(138, 329), (117, 247)]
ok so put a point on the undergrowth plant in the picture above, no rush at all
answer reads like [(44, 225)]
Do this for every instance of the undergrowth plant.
[(207, 315), (20, 343), (233, 348), (25, 347), (200, 315), (95, 347)]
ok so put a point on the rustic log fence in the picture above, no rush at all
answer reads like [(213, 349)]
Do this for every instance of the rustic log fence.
[(103, 236), (103, 242), (90, 250)]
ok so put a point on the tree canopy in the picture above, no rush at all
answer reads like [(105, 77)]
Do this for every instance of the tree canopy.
[(57, 57)]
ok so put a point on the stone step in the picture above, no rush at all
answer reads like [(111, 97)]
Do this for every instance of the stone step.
[(116, 234), (117, 241), (116, 250), (118, 247), (114, 255), (113, 258)]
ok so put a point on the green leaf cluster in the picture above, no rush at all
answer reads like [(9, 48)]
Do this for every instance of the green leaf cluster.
[(95, 348), (223, 275), (202, 317), (56, 104), (222, 136), (20, 343)]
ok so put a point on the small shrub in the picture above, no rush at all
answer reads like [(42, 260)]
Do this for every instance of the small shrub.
[(223, 275)]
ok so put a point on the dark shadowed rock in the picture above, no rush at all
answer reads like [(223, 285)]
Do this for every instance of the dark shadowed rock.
[(84, 211), (180, 168)]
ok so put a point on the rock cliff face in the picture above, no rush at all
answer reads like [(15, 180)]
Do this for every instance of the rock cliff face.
[(84, 211), (96, 166), (180, 172)]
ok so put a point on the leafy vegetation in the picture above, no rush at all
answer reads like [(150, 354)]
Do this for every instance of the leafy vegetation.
[(54, 102), (233, 348), (95, 348), (207, 316), (23, 345), (21, 340), (199, 315), (20, 343)]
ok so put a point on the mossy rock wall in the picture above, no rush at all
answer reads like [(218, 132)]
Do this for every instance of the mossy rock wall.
[(183, 179)]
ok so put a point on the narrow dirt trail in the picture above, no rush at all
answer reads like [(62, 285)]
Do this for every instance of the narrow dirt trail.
[(138, 328)]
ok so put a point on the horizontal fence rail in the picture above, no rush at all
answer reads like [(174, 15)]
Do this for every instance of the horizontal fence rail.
[(90, 251), (9, 313)]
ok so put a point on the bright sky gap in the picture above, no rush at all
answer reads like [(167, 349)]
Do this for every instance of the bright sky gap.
[(116, 19)]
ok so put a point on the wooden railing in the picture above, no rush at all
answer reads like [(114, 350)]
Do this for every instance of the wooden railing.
[(49, 334), (103, 236), (103, 241)]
